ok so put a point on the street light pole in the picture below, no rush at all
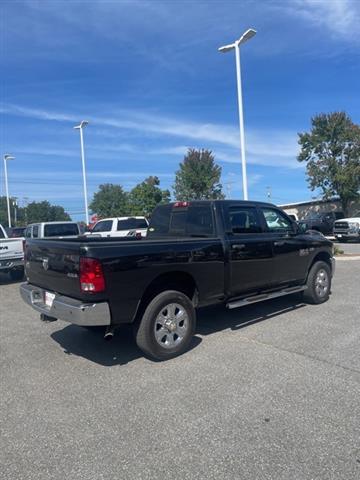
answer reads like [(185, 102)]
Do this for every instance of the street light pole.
[(7, 157), (80, 127), (236, 46)]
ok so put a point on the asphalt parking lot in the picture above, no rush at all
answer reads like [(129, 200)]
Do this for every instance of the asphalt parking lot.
[(349, 247), (270, 391)]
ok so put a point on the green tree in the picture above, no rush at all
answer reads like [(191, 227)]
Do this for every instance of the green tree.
[(110, 201), (34, 212), (3, 211), (45, 212), (146, 195), (198, 177), (331, 151)]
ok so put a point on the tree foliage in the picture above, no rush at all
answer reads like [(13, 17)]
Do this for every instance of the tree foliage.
[(45, 212), (331, 151), (198, 177), (34, 212), (146, 195), (110, 201)]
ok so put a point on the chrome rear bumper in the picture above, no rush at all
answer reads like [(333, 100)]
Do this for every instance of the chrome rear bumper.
[(66, 308)]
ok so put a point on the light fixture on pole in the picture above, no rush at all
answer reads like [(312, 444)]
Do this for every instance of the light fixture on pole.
[(6, 158), (80, 127), (227, 48)]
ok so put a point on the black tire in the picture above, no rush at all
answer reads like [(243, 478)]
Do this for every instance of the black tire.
[(344, 239), (17, 274), (318, 283), (171, 308)]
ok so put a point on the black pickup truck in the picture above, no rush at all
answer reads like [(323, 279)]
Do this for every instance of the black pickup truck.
[(320, 221), (195, 254)]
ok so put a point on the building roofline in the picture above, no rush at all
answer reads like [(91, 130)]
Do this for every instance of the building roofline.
[(309, 202)]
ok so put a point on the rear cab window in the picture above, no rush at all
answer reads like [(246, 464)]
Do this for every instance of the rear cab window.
[(60, 230), (35, 231), (182, 220)]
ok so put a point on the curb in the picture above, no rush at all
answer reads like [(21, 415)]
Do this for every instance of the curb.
[(340, 257)]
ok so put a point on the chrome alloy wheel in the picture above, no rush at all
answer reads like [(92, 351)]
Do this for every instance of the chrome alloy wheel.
[(171, 325), (321, 283)]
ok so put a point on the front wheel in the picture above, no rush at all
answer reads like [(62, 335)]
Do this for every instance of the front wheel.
[(167, 326), (318, 283)]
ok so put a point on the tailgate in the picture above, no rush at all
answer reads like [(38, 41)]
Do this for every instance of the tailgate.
[(54, 265), (11, 248)]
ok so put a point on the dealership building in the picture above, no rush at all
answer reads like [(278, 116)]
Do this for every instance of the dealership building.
[(302, 209)]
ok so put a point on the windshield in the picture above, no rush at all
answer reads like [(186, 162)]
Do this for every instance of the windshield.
[(61, 230)]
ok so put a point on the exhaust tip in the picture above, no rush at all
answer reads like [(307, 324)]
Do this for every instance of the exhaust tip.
[(109, 333)]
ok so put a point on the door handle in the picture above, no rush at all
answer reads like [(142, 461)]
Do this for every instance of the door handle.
[(238, 246), (279, 244)]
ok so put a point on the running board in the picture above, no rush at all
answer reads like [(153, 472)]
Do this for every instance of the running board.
[(264, 296)]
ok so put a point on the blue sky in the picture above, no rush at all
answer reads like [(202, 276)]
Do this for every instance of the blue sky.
[(148, 77)]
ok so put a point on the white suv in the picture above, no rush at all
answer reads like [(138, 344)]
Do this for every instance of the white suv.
[(120, 227)]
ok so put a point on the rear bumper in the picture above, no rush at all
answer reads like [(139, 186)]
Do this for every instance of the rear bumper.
[(9, 264), (66, 308)]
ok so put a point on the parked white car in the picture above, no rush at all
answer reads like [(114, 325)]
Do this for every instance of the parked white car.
[(11, 255), (120, 227), (347, 228), (53, 229)]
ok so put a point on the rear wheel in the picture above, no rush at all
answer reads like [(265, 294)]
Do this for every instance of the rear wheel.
[(167, 325), (318, 283)]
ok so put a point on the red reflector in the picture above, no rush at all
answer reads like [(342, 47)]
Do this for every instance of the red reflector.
[(181, 204), (91, 275)]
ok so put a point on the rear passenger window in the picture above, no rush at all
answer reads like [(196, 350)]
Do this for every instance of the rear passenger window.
[(244, 220), (35, 231), (28, 232), (193, 220)]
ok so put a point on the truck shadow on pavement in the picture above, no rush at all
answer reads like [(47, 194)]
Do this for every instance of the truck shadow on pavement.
[(90, 344), (214, 319), (122, 349)]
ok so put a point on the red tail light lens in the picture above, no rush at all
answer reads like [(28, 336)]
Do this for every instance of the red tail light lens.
[(91, 275), (181, 204)]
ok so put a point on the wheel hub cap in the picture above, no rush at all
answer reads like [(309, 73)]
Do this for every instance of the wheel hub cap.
[(171, 325), (321, 283)]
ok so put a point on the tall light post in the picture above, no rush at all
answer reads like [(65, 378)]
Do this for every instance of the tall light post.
[(6, 158), (80, 127), (227, 48)]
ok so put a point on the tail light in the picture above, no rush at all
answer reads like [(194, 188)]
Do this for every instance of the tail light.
[(92, 278), (181, 204), (24, 249)]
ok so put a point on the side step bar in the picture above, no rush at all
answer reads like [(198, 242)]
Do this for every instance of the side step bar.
[(264, 296)]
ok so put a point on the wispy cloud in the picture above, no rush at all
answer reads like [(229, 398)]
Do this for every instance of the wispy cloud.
[(264, 147), (340, 17)]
